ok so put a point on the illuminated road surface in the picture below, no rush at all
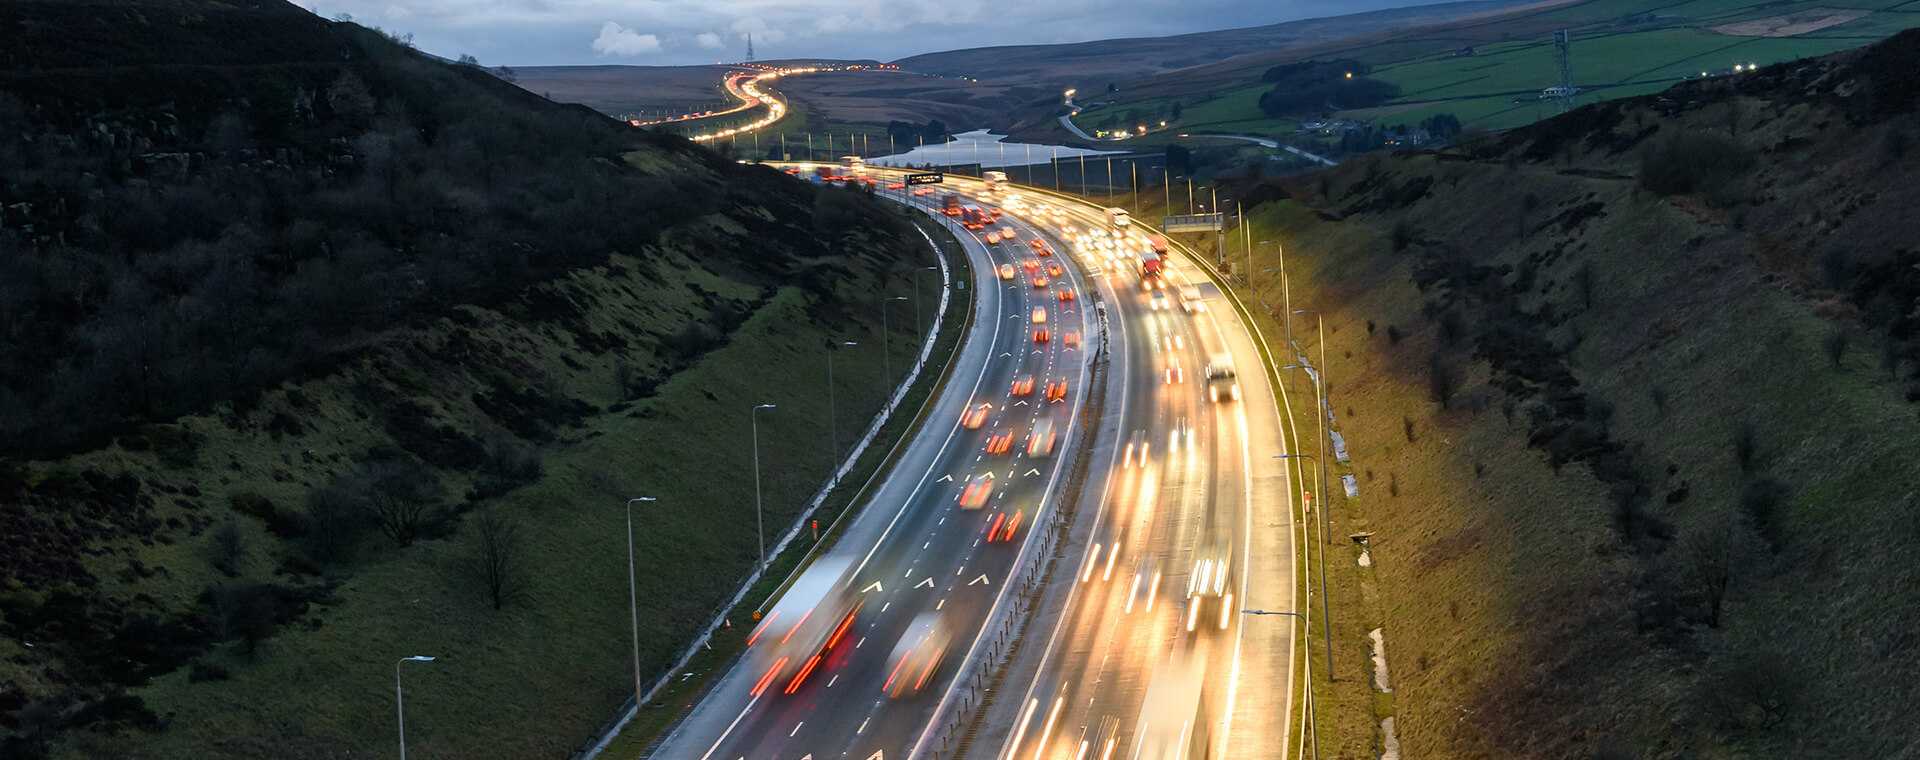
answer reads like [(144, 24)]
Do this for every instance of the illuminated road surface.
[(857, 657)]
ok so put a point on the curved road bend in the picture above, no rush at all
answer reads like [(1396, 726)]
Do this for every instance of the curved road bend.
[(1114, 670), (925, 552)]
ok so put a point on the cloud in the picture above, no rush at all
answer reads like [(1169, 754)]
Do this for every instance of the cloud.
[(757, 27), (708, 40), (615, 39)]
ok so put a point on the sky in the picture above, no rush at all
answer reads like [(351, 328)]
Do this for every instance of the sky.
[(675, 32)]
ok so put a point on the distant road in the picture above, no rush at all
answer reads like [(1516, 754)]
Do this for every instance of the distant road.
[(1271, 143)]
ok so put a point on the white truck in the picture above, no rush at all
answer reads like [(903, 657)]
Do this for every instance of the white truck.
[(996, 181), (1118, 217)]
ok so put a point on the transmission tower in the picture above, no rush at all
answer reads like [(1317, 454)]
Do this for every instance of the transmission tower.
[(1562, 52), (750, 49)]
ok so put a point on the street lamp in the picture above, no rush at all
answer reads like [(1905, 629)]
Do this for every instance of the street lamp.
[(633, 599), (833, 418), (759, 520), (1326, 627), (400, 699), (886, 342), (916, 297)]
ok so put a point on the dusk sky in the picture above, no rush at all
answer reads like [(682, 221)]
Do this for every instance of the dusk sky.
[(662, 32)]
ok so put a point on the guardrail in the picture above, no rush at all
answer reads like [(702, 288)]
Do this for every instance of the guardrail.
[(630, 708)]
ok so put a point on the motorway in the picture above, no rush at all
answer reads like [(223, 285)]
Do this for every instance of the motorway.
[(860, 657)]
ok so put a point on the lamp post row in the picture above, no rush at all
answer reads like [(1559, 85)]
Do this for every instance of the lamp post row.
[(633, 592)]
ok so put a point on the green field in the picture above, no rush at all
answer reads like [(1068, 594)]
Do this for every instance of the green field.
[(1620, 48)]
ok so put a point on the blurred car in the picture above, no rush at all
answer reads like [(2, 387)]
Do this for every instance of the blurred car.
[(1042, 335), (1032, 265), (1039, 280), (974, 417), (993, 237), (1000, 442), (1158, 300), (974, 494), (1040, 440), (1070, 339), (1222, 383), (1006, 271), (807, 625), (1190, 299), (1210, 584), (1003, 526), (1022, 385), (1138, 448), (1039, 315), (1066, 294), (1056, 389), (1053, 268), (918, 655), (896, 185), (1174, 374)]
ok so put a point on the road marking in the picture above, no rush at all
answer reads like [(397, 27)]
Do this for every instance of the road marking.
[(947, 478), (924, 583), (796, 729), (730, 727), (979, 580), (875, 586)]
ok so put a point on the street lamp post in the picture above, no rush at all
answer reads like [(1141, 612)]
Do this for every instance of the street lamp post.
[(400, 698), (886, 342), (833, 418), (1321, 462), (633, 600), (759, 519), (916, 298)]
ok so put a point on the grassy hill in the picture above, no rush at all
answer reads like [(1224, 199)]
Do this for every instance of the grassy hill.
[(1489, 71), (316, 352), (1630, 395)]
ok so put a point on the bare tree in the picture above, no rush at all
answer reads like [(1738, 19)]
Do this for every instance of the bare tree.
[(1710, 567), (227, 549), (402, 497), (495, 559)]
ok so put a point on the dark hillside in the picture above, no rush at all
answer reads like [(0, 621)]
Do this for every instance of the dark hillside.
[(299, 327), (277, 185), (1631, 395)]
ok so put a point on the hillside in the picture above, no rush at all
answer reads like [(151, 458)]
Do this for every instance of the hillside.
[(1630, 397), (1488, 71), (316, 352)]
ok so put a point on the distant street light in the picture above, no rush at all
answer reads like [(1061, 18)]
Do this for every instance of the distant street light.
[(886, 342), (758, 515), (633, 599), (400, 699), (833, 418)]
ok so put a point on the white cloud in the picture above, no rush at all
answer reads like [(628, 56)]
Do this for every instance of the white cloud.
[(708, 40), (615, 39), (757, 27)]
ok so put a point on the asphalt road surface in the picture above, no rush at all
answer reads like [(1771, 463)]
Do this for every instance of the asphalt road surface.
[(1186, 520)]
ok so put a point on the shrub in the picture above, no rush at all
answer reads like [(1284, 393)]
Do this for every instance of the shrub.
[(1442, 380), (1836, 346), (1402, 234), (279, 523), (1690, 162), (1746, 446), (1761, 501), (227, 548)]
